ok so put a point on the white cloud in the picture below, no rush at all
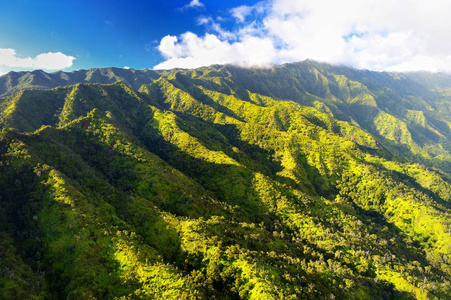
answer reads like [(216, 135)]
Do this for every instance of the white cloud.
[(216, 27), (241, 12), (192, 51), (46, 61), (193, 4), (400, 35)]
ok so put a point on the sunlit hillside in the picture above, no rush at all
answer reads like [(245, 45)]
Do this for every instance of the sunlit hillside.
[(304, 181)]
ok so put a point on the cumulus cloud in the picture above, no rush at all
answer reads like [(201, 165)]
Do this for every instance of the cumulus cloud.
[(46, 61), (190, 51), (402, 35)]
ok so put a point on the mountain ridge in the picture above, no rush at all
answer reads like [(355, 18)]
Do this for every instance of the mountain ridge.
[(15, 81), (303, 181)]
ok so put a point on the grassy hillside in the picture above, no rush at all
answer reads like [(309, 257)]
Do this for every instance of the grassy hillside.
[(305, 181)]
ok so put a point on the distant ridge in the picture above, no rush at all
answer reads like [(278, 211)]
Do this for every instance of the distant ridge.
[(16, 81)]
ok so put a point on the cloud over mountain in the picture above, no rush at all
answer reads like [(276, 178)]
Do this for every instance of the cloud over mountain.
[(378, 35)]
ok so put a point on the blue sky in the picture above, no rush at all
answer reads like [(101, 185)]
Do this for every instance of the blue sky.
[(100, 33), (400, 35)]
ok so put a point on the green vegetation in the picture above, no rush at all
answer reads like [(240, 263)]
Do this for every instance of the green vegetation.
[(305, 181)]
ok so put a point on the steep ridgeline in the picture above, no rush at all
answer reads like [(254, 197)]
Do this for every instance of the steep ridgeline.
[(305, 181)]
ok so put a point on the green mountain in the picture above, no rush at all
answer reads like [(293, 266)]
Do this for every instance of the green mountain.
[(16, 81), (304, 181)]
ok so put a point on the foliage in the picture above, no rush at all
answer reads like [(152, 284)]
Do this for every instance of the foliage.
[(306, 181)]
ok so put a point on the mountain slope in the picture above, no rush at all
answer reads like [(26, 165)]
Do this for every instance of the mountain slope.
[(305, 181)]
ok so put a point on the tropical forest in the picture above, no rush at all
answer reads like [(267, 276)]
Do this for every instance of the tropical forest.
[(299, 181)]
